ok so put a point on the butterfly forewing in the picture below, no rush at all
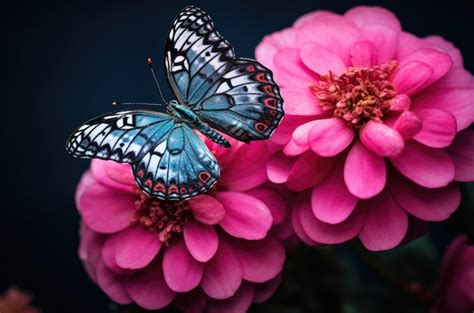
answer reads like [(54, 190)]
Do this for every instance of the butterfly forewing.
[(124, 136), (195, 55), (236, 96), (179, 167)]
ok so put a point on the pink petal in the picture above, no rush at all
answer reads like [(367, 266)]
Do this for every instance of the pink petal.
[(426, 204), (108, 256), (438, 130), (87, 179), (364, 54), (149, 289), (456, 77), (308, 171), (447, 46), (364, 172), (248, 167), (430, 168), (408, 125), (321, 60), (283, 132), (278, 167), (206, 209), (98, 168), (112, 284), (329, 137), (385, 40), (301, 101), (412, 77), (330, 31), (308, 18), (386, 223), (289, 70), (239, 303), (463, 156), (294, 149), (457, 101), (400, 103), (90, 249), (370, 15), (439, 62), (181, 271), (223, 273), (261, 260), (104, 209), (298, 228), (270, 44), (331, 201), (274, 201), (301, 133), (328, 233), (246, 216), (201, 241), (381, 139), (263, 292), (135, 248), (120, 172)]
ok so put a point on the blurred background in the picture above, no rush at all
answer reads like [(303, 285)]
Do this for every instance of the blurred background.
[(68, 60)]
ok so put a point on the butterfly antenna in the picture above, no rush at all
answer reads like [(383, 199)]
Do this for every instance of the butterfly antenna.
[(150, 64), (117, 103)]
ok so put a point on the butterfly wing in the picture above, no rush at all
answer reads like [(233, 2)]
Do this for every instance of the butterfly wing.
[(179, 167), (124, 136), (195, 55), (235, 96), (244, 103)]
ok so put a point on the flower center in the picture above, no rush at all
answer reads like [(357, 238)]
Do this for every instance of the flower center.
[(358, 95), (166, 218)]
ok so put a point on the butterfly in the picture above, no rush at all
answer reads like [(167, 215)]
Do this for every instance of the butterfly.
[(215, 92)]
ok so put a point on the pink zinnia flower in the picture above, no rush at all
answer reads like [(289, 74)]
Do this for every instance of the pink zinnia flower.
[(375, 127), (456, 284), (211, 252)]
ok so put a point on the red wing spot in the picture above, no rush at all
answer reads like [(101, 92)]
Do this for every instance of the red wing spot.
[(159, 187), (250, 68), (272, 112), (260, 127), (140, 173), (183, 190), (204, 176), (261, 78), (270, 102), (148, 183), (268, 90), (173, 189)]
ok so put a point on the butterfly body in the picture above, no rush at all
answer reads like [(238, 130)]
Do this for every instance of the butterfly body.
[(215, 91)]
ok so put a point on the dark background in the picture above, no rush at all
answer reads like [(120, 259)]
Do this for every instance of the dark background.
[(66, 62)]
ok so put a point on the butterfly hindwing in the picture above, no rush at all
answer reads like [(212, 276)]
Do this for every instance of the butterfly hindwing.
[(179, 167), (245, 103), (124, 136), (196, 55)]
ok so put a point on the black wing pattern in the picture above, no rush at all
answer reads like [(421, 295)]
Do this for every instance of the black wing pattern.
[(124, 136), (195, 55)]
